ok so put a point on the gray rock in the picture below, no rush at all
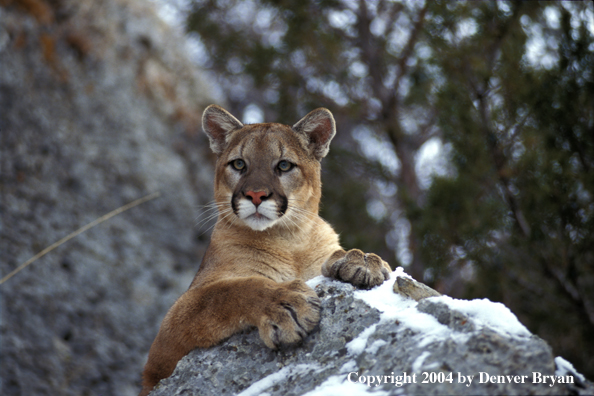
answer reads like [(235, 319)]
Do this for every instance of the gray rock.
[(411, 288), (322, 364), (99, 106), (445, 315)]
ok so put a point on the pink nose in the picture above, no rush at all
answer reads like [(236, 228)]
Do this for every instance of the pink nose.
[(256, 196)]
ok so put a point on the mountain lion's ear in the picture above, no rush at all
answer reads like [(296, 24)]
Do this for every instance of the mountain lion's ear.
[(218, 124), (319, 126)]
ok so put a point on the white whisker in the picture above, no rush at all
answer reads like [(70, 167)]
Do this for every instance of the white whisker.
[(232, 222), (224, 215), (210, 217), (211, 211), (284, 221)]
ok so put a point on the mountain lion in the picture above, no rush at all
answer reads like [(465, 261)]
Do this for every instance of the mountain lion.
[(268, 240)]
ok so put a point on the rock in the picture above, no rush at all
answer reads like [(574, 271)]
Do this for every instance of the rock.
[(409, 287), (428, 341), (99, 106)]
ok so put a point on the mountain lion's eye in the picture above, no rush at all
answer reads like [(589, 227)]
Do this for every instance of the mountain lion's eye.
[(238, 164), (285, 166)]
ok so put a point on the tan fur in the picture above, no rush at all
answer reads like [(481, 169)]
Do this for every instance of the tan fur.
[(254, 271)]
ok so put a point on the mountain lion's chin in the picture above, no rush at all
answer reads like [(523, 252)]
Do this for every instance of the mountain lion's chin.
[(258, 222)]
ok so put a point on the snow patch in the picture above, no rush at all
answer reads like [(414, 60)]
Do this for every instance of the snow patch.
[(418, 363), (356, 346), (349, 366), (396, 308), (486, 313), (257, 388), (403, 311), (377, 344), (338, 385), (313, 282), (564, 368)]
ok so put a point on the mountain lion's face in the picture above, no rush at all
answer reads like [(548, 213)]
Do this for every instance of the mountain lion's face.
[(268, 174), (266, 177)]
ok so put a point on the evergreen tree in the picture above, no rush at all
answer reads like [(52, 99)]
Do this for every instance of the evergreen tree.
[(519, 213)]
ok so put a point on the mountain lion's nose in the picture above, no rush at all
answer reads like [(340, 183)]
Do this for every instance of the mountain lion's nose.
[(257, 196)]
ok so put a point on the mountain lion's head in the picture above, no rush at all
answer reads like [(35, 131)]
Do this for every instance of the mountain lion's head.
[(268, 174)]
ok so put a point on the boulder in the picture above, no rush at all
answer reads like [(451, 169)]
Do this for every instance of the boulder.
[(99, 106), (382, 343)]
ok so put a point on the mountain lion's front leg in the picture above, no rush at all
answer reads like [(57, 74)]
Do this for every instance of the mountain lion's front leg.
[(363, 270), (203, 316)]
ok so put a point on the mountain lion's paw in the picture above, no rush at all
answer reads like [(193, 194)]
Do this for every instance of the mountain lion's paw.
[(363, 270), (292, 314)]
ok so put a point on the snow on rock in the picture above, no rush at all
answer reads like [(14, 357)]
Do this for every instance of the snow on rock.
[(486, 313), (357, 346), (258, 387), (392, 306), (565, 368), (378, 342), (337, 386)]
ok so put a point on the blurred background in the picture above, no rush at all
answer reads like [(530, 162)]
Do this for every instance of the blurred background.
[(464, 150)]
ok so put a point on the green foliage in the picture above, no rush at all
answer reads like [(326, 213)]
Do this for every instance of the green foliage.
[(520, 208), (512, 218)]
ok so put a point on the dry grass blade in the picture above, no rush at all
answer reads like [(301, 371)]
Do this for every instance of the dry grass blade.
[(80, 231)]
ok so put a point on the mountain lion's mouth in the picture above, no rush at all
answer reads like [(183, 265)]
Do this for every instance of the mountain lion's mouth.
[(258, 216), (259, 222)]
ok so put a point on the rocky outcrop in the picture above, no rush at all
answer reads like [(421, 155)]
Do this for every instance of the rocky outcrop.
[(435, 346), (98, 106)]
